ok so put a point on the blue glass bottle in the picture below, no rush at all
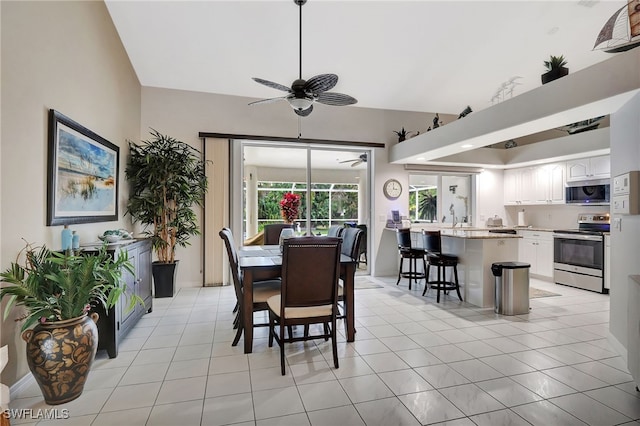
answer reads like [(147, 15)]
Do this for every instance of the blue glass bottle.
[(66, 238), (75, 240)]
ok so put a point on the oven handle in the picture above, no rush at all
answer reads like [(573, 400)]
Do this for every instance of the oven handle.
[(578, 237)]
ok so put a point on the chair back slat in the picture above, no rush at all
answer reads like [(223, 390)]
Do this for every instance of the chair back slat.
[(310, 270), (403, 237), (431, 241), (272, 232), (351, 240), (232, 254), (335, 231)]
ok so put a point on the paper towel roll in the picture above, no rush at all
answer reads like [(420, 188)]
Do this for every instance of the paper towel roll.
[(521, 221)]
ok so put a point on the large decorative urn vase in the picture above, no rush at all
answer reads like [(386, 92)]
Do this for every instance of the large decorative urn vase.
[(60, 354)]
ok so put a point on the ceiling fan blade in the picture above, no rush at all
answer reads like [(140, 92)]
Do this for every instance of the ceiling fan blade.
[(321, 83), (356, 163), (272, 84), (347, 161), (304, 112), (268, 101), (336, 99)]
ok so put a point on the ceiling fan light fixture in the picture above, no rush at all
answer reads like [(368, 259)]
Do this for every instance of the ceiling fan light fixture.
[(304, 93), (300, 104)]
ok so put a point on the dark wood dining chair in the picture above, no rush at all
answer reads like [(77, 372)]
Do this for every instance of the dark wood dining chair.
[(351, 241), (335, 231), (272, 233), (310, 271), (262, 290), (362, 254)]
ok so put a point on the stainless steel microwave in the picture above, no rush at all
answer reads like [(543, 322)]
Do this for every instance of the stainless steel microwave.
[(588, 193)]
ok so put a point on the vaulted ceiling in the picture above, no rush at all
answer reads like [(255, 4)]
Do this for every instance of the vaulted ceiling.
[(429, 56)]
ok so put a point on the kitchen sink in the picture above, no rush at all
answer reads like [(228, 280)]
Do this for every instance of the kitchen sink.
[(503, 231)]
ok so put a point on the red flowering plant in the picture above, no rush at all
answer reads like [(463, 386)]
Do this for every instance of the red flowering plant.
[(289, 206)]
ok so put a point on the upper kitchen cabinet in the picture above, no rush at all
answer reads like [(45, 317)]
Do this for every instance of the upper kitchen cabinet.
[(517, 186), (535, 185), (549, 184), (589, 168)]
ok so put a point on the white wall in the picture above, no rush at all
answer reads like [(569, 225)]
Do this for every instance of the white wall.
[(557, 216), (489, 191), (184, 114), (625, 244), (66, 56)]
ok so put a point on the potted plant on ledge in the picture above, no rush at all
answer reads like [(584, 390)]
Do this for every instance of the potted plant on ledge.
[(57, 291), (555, 68), (167, 179)]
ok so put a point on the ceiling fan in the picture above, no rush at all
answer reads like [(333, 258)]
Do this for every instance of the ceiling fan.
[(303, 93), (356, 161)]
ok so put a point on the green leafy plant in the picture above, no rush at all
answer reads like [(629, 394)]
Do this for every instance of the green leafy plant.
[(167, 179), (53, 286), (402, 134), (555, 62)]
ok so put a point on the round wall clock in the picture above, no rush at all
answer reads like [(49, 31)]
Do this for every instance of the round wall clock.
[(392, 189)]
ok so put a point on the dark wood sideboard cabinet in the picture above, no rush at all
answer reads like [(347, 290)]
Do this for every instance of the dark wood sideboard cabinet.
[(114, 325)]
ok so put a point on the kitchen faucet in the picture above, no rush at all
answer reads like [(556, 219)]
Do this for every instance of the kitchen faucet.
[(454, 219)]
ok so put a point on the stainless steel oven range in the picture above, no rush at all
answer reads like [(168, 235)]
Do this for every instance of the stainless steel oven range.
[(578, 254)]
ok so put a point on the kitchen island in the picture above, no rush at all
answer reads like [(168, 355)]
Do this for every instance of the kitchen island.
[(476, 251)]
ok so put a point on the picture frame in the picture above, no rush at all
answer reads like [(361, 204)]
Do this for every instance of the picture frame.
[(82, 176)]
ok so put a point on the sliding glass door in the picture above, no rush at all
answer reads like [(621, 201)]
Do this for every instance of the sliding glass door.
[(331, 183)]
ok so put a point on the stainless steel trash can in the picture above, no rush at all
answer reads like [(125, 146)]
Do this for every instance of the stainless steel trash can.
[(512, 287)]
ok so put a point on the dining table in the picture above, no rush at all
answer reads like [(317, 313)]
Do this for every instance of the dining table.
[(259, 263)]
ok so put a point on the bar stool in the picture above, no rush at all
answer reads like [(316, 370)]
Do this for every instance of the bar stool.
[(431, 241), (413, 254)]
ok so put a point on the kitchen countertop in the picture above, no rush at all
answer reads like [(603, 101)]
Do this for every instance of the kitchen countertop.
[(476, 234), (417, 227), (420, 226)]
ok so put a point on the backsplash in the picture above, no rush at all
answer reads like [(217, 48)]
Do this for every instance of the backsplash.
[(560, 216)]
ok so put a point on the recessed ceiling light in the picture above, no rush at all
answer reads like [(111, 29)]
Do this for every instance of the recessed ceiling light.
[(588, 3), (467, 146)]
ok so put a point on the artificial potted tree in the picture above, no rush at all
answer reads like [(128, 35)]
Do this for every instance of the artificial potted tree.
[(555, 68), (57, 291), (167, 180)]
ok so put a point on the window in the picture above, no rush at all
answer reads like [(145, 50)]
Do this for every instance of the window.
[(440, 198), (331, 204), (330, 182)]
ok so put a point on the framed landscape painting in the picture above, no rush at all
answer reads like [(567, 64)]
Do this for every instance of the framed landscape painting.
[(82, 184)]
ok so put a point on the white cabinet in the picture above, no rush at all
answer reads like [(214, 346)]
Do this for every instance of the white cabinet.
[(517, 186), (535, 185), (548, 186), (607, 262), (589, 168), (536, 248)]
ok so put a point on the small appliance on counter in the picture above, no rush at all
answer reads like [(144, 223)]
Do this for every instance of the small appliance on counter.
[(522, 221), (494, 221)]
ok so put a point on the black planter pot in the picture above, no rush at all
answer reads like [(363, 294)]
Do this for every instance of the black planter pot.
[(554, 74), (164, 278)]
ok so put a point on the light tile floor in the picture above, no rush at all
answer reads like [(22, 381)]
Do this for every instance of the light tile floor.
[(413, 362)]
